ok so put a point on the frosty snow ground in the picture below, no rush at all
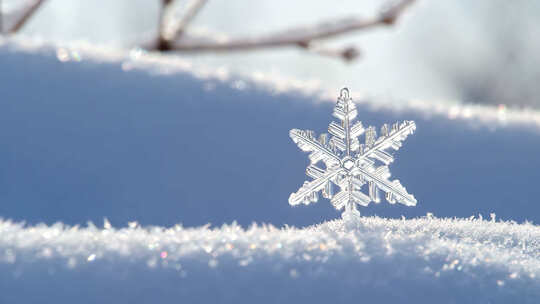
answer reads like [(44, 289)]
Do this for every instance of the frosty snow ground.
[(424, 259)]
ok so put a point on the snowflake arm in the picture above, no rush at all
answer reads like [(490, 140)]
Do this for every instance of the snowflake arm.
[(345, 136), (349, 193), (322, 181), (379, 180), (305, 139), (392, 139)]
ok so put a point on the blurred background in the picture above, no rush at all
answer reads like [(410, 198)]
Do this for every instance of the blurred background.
[(482, 51)]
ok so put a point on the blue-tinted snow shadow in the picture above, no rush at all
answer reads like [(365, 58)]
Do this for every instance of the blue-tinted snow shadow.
[(266, 280), (84, 141)]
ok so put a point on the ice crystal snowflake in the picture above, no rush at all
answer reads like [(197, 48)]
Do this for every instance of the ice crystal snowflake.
[(349, 164)]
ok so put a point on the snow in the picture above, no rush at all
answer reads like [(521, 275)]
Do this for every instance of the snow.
[(147, 140), (423, 259)]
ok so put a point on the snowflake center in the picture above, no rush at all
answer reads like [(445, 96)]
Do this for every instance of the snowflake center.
[(348, 164)]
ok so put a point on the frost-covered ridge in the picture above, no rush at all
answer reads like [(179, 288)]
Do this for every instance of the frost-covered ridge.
[(504, 251), (425, 259)]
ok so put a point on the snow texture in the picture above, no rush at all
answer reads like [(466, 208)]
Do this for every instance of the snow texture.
[(423, 260), (349, 164)]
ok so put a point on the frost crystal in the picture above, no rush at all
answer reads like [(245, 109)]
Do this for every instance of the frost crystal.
[(350, 164)]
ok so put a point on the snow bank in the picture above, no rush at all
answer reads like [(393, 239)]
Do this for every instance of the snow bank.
[(423, 260), (137, 59)]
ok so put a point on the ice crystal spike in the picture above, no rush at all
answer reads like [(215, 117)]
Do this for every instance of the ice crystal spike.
[(343, 161)]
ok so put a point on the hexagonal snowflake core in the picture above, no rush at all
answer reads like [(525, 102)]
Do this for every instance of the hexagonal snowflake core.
[(348, 164)]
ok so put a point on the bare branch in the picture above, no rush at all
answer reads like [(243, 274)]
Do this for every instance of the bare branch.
[(161, 43), (166, 36), (347, 53), (392, 13), (1, 19), (301, 36), (165, 4), (26, 16), (192, 10), (177, 39)]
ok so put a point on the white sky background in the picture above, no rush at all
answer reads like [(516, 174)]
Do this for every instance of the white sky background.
[(481, 52)]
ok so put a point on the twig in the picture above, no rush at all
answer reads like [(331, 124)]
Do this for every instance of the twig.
[(193, 9), (390, 15), (348, 54), (1, 20), (162, 43), (26, 16), (302, 36), (166, 38), (161, 20)]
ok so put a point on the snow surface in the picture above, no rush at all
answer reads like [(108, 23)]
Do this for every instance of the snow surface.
[(422, 260)]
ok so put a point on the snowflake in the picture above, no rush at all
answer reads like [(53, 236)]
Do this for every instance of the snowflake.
[(349, 164)]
